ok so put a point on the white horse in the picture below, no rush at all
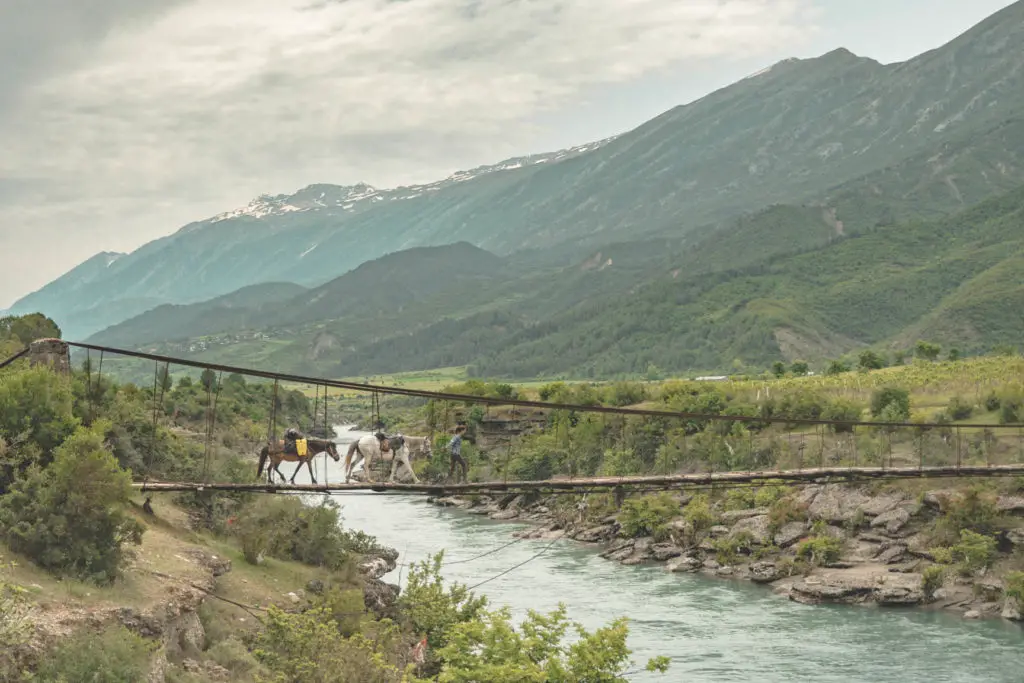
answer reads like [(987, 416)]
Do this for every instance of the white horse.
[(368, 450)]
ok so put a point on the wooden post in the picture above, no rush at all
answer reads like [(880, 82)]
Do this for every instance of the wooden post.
[(53, 353)]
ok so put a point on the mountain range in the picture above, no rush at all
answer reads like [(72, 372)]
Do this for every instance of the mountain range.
[(687, 243)]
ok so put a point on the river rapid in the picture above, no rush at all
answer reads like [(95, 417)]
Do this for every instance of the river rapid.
[(711, 629)]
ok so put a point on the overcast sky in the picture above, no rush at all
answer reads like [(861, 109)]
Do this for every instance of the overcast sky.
[(122, 120)]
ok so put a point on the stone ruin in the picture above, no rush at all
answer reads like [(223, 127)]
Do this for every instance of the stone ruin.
[(52, 353)]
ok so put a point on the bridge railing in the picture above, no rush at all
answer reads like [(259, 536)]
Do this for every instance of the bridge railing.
[(576, 436)]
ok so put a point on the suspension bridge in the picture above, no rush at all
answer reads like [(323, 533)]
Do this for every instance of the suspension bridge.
[(839, 450)]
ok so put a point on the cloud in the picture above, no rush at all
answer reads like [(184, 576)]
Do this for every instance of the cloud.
[(175, 108)]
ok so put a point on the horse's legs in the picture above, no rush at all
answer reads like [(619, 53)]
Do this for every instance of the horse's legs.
[(368, 466), (394, 466), (297, 468), (309, 465), (277, 468), (408, 466)]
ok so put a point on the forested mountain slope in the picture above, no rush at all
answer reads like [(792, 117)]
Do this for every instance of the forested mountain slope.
[(875, 144)]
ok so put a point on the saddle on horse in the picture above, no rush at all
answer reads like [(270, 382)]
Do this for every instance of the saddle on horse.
[(294, 442), (382, 439)]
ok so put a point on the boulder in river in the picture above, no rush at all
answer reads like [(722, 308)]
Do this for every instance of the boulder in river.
[(853, 586), (686, 563), (665, 551), (763, 572)]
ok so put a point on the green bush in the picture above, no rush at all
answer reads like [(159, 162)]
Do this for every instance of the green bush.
[(740, 498), (768, 495), (783, 511), (70, 517), (492, 649), (932, 579), (309, 647), (288, 529), (974, 509), (698, 515), (1011, 408), (959, 409), (649, 515), (820, 550), (729, 548), (974, 552), (36, 407), (1015, 585), (434, 609), (114, 656), (891, 403), (942, 555), (841, 410), (625, 393)]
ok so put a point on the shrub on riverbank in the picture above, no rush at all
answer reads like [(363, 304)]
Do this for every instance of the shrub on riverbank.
[(819, 550), (286, 528), (649, 515)]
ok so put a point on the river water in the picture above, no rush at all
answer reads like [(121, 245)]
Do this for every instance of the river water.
[(711, 629)]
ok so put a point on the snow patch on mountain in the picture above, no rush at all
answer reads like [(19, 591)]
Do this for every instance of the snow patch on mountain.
[(324, 197)]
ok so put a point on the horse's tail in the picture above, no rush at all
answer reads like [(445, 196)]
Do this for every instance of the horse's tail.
[(352, 449), (263, 461)]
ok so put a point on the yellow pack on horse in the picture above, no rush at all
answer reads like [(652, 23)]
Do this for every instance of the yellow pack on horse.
[(300, 447)]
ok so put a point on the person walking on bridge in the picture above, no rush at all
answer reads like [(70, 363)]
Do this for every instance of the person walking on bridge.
[(455, 453)]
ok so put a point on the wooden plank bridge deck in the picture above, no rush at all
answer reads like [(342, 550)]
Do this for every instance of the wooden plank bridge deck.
[(566, 485)]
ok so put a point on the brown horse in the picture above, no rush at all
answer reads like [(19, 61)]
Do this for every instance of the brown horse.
[(277, 455)]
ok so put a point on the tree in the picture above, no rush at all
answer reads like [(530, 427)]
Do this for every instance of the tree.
[(36, 407), (837, 367), (954, 354), (891, 402), (28, 328), (779, 369), (869, 360), (927, 350), (491, 649), (800, 368), (653, 373), (69, 518), (208, 379), (309, 646), (433, 608)]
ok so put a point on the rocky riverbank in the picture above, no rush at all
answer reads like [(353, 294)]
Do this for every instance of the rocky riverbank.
[(830, 544)]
